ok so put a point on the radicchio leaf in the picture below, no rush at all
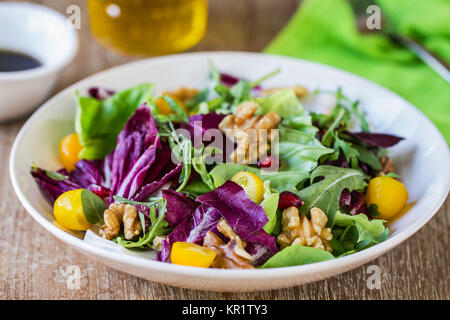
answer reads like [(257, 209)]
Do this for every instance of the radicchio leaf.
[(198, 126), (192, 229), (353, 202), (376, 139), (179, 207), (100, 93), (86, 172), (50, 187), (244, 216)]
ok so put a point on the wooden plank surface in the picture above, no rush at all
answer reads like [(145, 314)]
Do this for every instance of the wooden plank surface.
[(32, 262)]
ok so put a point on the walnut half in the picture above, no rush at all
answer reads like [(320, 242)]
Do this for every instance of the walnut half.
[(231, 255), (307, 232), (118, 214), (251, 133)]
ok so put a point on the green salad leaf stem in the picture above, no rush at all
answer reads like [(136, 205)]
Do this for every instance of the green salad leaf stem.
[(158, 226)]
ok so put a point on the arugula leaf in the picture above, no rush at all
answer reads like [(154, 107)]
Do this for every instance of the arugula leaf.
[(297, 255), (351, 154), (241, 91), (270, 205), (199, 164), (392, 175), (182, 148), (93, 206), (326, 193), (98, 123), (373, 210), (264, 78), (364, 125), (327, 138), (179, 115), (368, 157), (56, 175)]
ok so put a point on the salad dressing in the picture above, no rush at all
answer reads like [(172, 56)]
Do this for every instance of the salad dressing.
[(11, 61)]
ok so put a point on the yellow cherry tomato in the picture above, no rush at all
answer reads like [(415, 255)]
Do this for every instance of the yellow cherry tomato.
[(252, 185), (68, 211), (388, 194), (191, 254), (69, 148), (164, 108)]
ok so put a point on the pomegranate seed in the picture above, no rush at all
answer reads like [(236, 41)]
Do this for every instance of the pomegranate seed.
[(289, 199), (265, 163)]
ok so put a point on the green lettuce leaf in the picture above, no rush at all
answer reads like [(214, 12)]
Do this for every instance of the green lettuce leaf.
[(98, 123), (369, 232), (299, 150), (284, 102), (280, 181), (326, 193), (270, 205), (296, 255)]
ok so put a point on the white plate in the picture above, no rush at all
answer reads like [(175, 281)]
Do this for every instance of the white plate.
[(422, 160)]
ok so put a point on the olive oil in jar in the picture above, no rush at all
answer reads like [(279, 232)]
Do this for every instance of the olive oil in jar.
[(148, 27)]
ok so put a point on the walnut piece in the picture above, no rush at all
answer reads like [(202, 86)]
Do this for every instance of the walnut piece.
[(251, 133), (306, 232), (387, 166), (117, 215), (158, 242), (231, 255), (182, 93), (299, 91)]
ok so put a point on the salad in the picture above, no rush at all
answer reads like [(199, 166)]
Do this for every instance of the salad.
[(232, 176)]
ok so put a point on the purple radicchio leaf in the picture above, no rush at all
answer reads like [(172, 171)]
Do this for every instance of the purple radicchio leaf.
[(230, 80), (353, 202), (192, 229), (135, 177), (376, 139), (198, 126), (50, 187), (150, 188), (244, 216), (86, 173), (179, 207), (100, 93), (135, 153), (230, 202)]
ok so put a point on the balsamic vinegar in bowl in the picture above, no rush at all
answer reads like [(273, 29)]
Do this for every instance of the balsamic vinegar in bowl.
[(15, 61)]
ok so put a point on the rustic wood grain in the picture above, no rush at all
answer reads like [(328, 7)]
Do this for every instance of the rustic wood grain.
[(32, 261)]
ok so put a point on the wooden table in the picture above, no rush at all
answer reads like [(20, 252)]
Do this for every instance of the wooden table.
[(32, 262)]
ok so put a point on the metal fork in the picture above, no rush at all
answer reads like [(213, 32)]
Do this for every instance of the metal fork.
[(436, 63)]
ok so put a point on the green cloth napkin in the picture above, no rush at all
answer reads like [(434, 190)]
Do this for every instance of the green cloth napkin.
[(325, 31)]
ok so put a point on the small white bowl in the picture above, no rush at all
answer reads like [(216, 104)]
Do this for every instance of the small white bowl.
[(42, 33)]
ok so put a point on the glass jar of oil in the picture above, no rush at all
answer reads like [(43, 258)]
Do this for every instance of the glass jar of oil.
[(148, 27)]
